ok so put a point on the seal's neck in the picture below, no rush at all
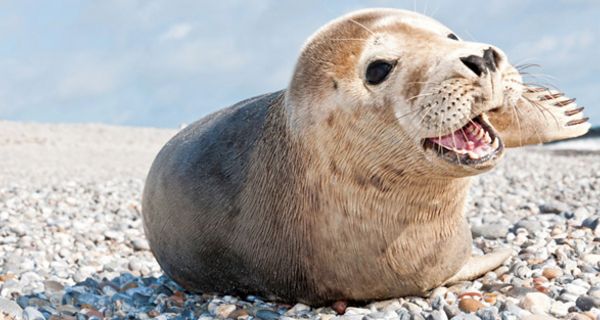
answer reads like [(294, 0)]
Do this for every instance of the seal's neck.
[(348, 162), (369, 168)]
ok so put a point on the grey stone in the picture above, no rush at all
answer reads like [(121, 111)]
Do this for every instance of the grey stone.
[(437, 315), (140, 244), (266, 314), (554, 207), (10, 307), (529, 225), (490, 231), (591, 223), (403, 314), (507, 315), (489, 313), (575, 289), (31, 313), (586, 303), (451, 310)]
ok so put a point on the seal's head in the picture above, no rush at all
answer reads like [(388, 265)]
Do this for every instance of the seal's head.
[(400, 83)]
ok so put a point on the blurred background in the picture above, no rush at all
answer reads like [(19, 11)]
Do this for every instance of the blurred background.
[(163, 63)]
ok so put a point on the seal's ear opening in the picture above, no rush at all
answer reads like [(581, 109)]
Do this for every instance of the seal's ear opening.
[(378, 71)]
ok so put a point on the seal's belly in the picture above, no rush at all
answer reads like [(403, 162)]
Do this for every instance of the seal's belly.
[(381, 261)]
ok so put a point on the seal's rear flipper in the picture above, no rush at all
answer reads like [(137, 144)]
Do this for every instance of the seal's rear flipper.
[(480, 265), (541, 115)]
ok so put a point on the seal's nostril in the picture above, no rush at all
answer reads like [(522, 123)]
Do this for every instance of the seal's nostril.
[(492, 58), (475, 63)]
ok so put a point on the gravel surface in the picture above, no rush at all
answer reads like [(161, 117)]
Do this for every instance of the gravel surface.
[(72, 244)]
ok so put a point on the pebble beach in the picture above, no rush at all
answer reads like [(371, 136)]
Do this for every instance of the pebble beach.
[(72, 244)]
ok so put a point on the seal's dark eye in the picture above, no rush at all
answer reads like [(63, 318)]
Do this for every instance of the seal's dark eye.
[(377, 71), (453, 36)]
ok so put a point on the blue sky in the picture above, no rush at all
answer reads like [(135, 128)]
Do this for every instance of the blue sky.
[(163, 63)]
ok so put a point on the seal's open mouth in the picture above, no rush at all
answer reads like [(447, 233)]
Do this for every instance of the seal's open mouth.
[(473, 144)]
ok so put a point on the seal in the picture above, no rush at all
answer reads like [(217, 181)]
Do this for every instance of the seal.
[(351, 183)]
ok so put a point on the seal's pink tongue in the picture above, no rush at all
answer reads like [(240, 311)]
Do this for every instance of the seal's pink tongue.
[(472, 139)]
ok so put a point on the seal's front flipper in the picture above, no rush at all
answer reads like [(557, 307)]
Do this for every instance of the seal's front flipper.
[(541, 115), (480, 265)]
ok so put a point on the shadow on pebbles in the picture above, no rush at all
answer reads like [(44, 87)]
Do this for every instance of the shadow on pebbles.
[(76, 250)]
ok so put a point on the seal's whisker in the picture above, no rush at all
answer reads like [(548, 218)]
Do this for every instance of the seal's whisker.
[(420, 95), (546, 82), (525, 66), (542, 109), (516, 116), (523, 61), (362, 26), (470, 35), (439, 134), (466, 139), (408, 113), (545, 86), (535, 130), (435, 11), (437, 83), (538, 75), (349, 39)]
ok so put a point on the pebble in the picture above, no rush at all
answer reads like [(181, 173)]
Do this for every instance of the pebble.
[(554, 207), (488, 313), (451, 310), (75, 249), (586, 303), (296, 309), (10, 307), (224, 310), (354, 310), (490, 231), (575, 289), (31, 313), (437, 315), (340, 306), (512, 309), (593, 259), (536, 303), (238, 313), (266, 314), (529, 225), (591, 223), (470, 305), (560, 309), (140, 245), (551, 273), (594, 292)]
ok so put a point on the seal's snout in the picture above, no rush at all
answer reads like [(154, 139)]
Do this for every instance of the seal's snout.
[(484, 64)]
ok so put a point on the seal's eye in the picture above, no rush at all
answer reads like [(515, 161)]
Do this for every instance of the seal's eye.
[(453, 36), (377, 71)]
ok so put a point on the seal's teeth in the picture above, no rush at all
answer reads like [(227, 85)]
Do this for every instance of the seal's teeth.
[(470, 145), (473, 155), (480, 134), (496, 143), (487, 138)]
